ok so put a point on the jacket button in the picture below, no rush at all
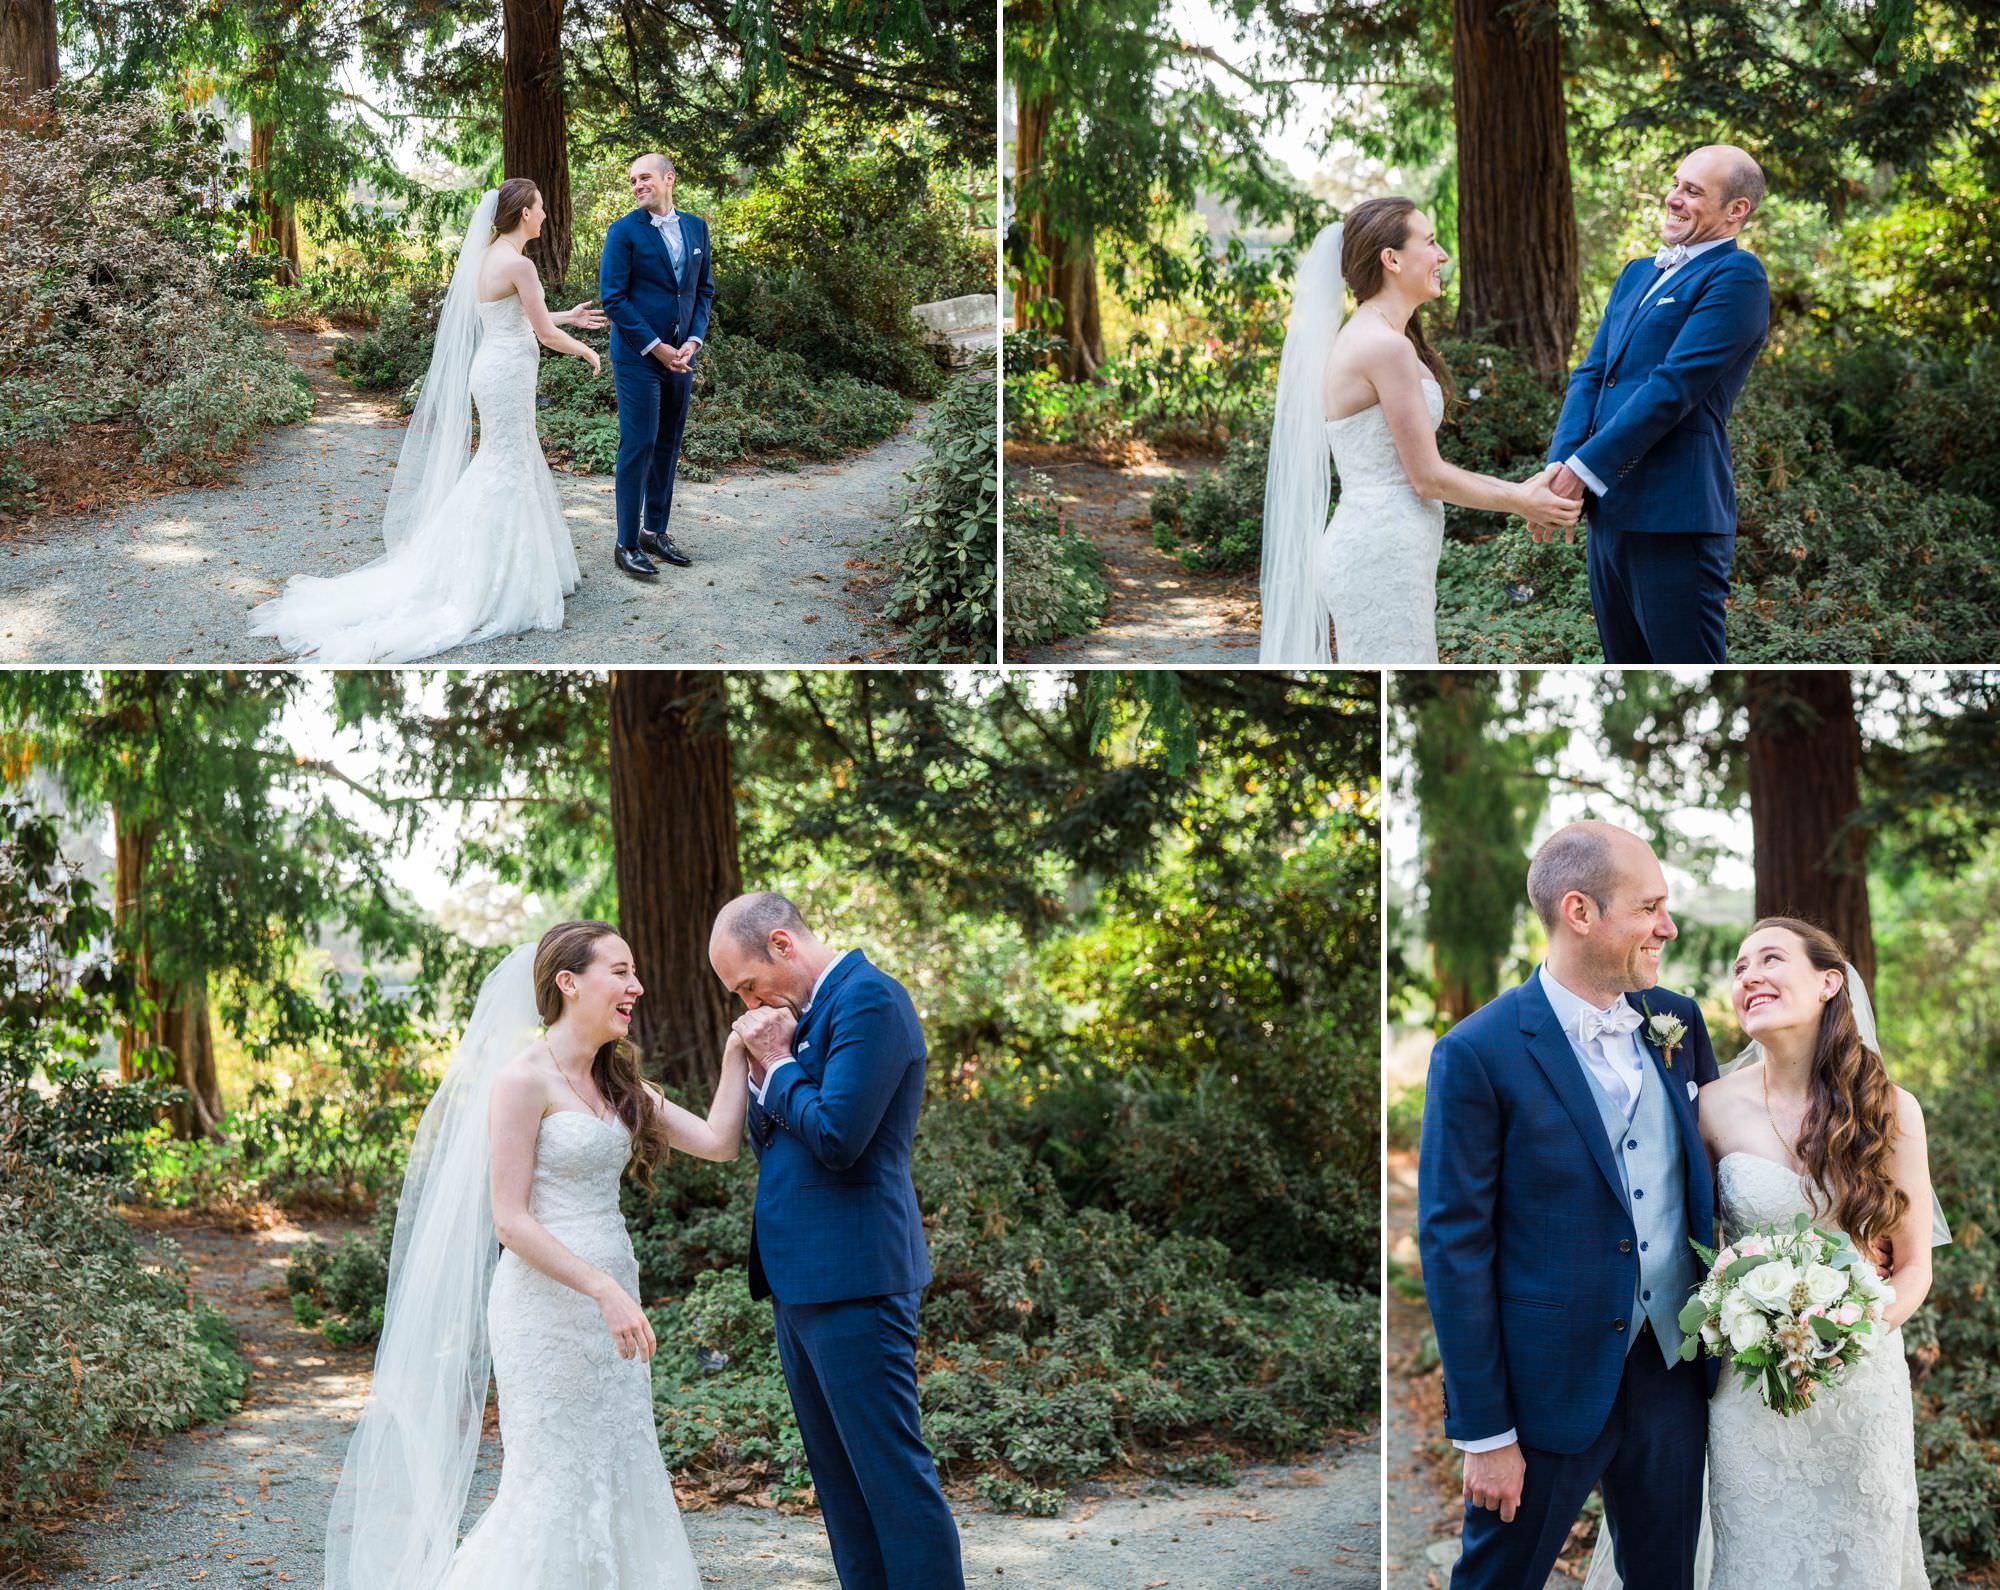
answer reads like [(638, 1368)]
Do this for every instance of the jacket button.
[(1618, 1324), (1625, 1245), (1611, 380)]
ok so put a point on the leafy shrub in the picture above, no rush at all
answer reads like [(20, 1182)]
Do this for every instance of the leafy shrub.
[(398, 350), (946, 545), (1055, 575), (827, 254), (117, 314), (101, 1343), (341, 1291), (1218, 522), (1957, 1333)]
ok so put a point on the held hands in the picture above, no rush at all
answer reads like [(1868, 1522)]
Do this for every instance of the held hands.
[(1548, 501), (630, 1331), (1493, 1480), (767, 1036)]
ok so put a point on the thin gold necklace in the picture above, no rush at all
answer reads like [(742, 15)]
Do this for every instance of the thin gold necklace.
[(1764, 1076), (565, 1076)]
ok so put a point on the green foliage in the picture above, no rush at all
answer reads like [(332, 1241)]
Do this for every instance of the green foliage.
[(946, 545), (827, 253), (1958, 1435), (1055, 574), (340, 1291), (101, 1343), (1218, 522), (118, 316)]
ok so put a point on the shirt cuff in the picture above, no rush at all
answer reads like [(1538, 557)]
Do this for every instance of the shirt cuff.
[(694, 342), (649, 347), (770, 1071), (1575, 465), (1491, 1443)]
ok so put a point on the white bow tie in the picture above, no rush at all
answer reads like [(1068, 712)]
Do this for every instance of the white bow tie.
[(666, 220), (1620, 1018), (1670, 256)]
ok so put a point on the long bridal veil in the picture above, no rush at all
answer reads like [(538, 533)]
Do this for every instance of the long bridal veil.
[(1603, 1573), (409, 1464), (1298, 479), (438, 445)]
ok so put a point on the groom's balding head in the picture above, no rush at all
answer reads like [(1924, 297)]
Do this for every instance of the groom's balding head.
[(1588, 858), (762, 950), (1716, 190)]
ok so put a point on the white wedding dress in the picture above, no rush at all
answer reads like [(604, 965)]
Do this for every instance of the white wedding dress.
[(493, 558), (1377, 561), (1827, 1496), (584, 1500)]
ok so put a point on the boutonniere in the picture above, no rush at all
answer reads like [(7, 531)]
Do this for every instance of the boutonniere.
[(1665, 1032)]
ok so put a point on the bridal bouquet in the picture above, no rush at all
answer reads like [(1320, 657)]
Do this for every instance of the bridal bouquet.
[(1793, 1308)]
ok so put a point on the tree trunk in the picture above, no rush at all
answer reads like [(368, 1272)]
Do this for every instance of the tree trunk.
[(1516, 217), (673, 840), (179, 1020), (1805, 786), (274, 225), (27, 48), (534, 131), (1057, 290)]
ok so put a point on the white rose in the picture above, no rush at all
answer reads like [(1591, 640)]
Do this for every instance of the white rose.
[(1746, 1329), (1711, 1334), (1824, 1284), (1770, 1285)]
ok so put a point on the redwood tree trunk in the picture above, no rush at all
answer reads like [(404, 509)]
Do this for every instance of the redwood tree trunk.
[(534, 133), (1805, 784), (673, 835), (27, 47), (1060, 295), (1516, 217), (179, 1021), (274, 229)]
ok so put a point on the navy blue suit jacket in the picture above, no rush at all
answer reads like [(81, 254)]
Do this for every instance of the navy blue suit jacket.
[(1529, 1253), (643, 296), (836, 1214), (1647, 411)]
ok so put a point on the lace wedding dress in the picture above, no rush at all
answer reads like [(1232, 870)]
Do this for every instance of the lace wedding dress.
[(584, 1500), (493, 558), (1378, 560), (1827, 1496)]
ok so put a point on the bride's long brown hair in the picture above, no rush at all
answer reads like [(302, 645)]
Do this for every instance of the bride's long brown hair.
[(571, 947), (1848, 1141)]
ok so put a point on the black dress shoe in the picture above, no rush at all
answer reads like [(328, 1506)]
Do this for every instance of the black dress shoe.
[(634, 563), (661, 545)]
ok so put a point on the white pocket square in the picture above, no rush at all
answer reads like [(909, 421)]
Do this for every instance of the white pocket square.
[(1692, 1091), (802, 1048), (1665, 301)]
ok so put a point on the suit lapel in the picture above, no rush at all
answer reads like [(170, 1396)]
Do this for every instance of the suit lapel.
[(803, 1039), (1549, 1045)]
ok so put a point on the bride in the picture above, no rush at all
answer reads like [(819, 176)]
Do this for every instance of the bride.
[(526, 1140), (1373, 393), (477, 545), (1809, 1122)]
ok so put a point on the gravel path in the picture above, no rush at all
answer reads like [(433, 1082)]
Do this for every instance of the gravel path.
[(170, 579), (1158, 614), (245, 1503)]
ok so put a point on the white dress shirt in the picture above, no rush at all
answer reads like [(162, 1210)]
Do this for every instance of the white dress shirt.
[(1694, 251), (669, 228), (1616, 1060), (771, 1070)]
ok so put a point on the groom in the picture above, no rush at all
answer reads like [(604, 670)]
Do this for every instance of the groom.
[(836, 1242), (1643, 437), (655, 285), (1560, 1178)]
